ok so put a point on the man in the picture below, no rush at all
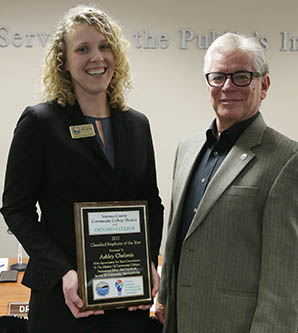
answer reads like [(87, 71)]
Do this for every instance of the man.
[(231, 258)]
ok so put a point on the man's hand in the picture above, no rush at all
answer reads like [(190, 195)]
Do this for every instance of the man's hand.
[(72, 299), (155, 288), (160, 312)]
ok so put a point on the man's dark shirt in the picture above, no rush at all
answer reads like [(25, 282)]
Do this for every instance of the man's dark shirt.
[(209, 160)]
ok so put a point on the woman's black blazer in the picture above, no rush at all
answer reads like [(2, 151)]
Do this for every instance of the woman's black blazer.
[(48, 167)]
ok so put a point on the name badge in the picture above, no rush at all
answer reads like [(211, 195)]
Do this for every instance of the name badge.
[(81, 131)]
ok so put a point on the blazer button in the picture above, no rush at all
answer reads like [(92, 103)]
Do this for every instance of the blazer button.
[(187, 249)]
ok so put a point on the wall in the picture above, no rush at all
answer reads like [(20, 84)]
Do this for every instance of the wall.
[(168, 83)]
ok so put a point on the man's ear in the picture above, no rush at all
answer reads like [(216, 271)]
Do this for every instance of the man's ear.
[(265, 86)]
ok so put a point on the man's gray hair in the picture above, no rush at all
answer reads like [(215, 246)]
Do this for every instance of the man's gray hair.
[(232, 42)]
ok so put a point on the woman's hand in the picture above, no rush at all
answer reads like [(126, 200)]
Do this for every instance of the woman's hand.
[(155, 288), (72, 299), (160, 312)]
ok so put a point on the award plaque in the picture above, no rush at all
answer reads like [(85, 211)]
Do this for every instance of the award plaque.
[(113, 254)]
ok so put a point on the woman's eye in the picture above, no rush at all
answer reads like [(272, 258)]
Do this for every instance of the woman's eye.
[(104, 47), (82, 49)]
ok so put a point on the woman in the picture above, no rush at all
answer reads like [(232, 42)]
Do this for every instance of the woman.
[(85, 77)]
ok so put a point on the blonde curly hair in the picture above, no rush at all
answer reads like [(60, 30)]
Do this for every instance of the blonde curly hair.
[(57, 80)]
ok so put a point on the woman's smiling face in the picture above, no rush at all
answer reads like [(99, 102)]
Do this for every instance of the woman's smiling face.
[(89, 60)]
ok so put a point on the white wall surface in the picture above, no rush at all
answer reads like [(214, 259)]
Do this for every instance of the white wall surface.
[(169, 86)]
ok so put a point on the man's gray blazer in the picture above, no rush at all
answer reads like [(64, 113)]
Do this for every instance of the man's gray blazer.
[(238, 268)]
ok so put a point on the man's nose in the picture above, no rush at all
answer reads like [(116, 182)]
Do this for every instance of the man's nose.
[(228, 83)]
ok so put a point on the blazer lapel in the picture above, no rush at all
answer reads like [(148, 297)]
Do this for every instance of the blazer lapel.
[(76, 117), (121, 135), (181, 179), (187, 165), (238, 158)]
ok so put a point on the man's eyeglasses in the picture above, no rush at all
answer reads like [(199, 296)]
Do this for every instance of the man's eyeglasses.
[(239, 78)]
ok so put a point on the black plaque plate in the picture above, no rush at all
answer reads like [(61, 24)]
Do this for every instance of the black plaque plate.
[(113, 254)]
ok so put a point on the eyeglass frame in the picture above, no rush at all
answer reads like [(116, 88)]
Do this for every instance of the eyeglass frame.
[(252, 75)]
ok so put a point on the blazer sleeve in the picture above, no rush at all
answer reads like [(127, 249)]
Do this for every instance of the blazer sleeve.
[(155, 206), (23, 187), (164, 281), (277, 303)]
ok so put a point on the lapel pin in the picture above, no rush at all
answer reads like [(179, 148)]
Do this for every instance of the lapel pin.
[(243, 157)]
